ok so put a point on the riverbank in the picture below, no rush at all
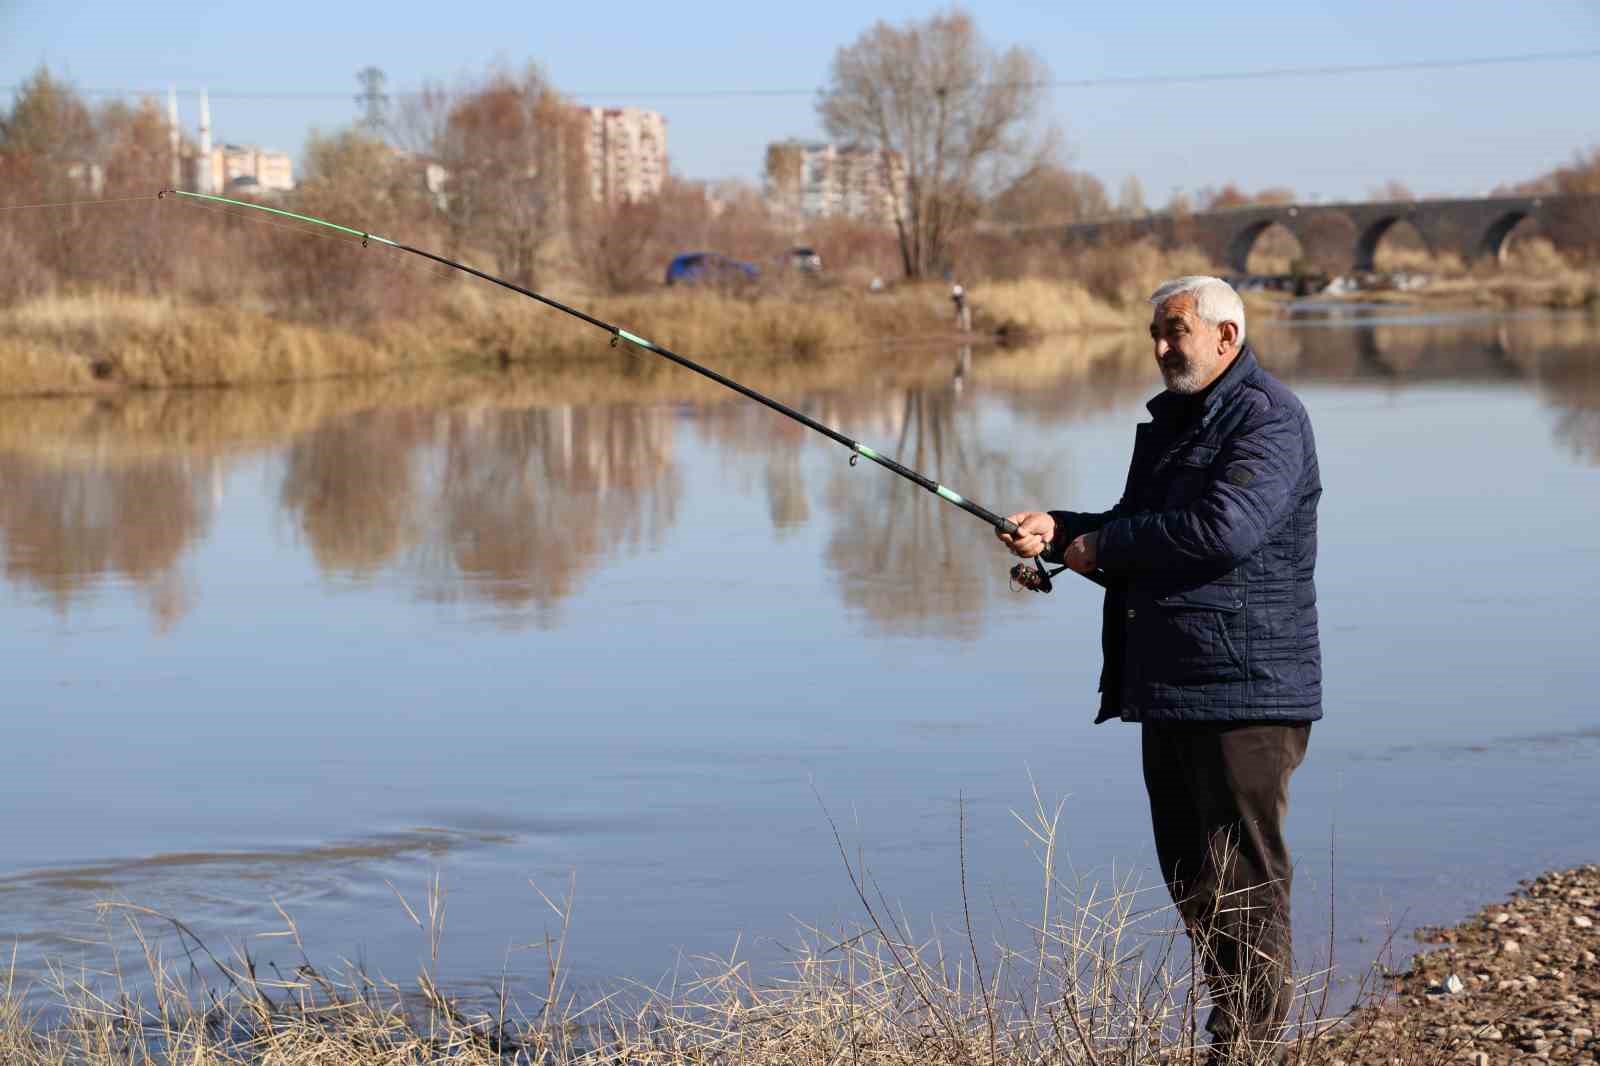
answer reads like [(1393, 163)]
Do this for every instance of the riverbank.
[(98, 342), (1516, 982), (1568, 290)]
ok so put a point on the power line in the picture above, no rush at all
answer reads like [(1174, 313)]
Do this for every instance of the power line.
[(1068, 83)]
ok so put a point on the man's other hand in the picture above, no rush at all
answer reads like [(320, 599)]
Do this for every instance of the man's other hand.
[(1083, 554), (1035, 531)]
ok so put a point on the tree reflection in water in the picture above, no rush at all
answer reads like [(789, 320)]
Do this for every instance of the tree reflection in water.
[(352, 487), (510, 507), (513, 506), (531, 501), (68, 525), (912, 562)]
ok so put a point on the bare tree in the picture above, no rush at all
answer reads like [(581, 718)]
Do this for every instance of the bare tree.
[(784, 177), (1393, 189), (515, 154), (353, 175), (1130, 198), (953, 117), (1575, 225), (617, 241), (1049, 193), (1230, 195)]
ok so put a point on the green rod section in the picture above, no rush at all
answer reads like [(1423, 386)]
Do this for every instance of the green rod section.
[(277, 211)]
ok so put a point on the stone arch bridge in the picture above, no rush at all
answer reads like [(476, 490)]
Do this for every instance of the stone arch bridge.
[(1336, 238)]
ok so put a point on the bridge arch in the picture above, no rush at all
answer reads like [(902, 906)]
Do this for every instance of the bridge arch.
[(1240, 244), (1366, 257), (1494, 241)]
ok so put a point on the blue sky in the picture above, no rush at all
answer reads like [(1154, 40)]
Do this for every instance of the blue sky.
[(1442, 132)]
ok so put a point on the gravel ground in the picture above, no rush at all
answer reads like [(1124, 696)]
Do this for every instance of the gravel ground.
[(1517, 982)]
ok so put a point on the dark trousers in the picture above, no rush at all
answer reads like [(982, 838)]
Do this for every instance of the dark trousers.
[(1218, 797)]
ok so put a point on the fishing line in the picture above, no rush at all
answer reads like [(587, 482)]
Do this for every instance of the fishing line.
[(1037, 580), (79, 203), (389, 264)]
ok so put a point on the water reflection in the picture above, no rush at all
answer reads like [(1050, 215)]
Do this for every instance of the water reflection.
[(496, 491), (508, 507), (910, 561), (1556, 354), (352, 488), (913, 563), (68, 525), (528, 502), (1570, 382)]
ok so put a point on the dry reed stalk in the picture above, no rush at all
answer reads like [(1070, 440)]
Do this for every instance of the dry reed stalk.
[(1100, 983)]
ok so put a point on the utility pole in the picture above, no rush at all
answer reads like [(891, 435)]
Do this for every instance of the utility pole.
[(372, 98)]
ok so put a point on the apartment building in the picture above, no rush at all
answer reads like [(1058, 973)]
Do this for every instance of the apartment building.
[(813, 179), (627, 149)]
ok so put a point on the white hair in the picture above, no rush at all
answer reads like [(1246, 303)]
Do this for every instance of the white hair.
[(1214, 299)]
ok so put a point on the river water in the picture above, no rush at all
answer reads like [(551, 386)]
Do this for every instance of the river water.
[(609, 634)]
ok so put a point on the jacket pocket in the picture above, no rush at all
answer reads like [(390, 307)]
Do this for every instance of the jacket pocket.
[(1203, 629), (1188, 475)]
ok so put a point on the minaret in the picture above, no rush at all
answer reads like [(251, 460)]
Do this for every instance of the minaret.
[(203, 171), (172, 134)]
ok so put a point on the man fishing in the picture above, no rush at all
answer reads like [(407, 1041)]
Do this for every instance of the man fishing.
[(1209, 634)]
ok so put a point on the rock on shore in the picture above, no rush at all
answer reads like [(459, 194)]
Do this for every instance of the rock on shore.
[(1518, 982)]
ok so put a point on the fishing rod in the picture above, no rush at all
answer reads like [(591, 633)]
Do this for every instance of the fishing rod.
[(1036, 580)]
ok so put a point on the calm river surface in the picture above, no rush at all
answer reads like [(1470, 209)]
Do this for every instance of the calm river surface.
[(308, 648)]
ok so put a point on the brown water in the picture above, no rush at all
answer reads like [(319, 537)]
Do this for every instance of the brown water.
[(307, 648)]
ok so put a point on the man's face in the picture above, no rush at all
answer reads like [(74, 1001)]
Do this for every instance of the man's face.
[(1190, 351)]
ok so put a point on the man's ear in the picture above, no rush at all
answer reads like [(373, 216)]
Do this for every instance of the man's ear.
[(1228, 333)]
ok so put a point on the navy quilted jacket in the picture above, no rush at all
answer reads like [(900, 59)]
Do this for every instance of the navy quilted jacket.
[(1210, 610)]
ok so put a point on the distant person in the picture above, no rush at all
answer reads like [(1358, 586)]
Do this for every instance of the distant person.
[(1210, 639), (958, 296)]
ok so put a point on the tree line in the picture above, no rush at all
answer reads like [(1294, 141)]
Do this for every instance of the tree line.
[(498, 171)]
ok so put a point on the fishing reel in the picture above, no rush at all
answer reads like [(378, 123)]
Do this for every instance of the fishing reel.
[(1037, 579)]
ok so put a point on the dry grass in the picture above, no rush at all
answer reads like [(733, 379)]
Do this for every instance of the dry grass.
[(1124, 276), (1100, 976), (1040, 307), (91, 343), (68, 343)]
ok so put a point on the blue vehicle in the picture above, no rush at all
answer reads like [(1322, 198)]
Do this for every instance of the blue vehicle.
[(709, 267)]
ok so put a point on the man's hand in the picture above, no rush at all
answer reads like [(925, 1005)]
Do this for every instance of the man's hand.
[(1083, 554), (1035, 532)]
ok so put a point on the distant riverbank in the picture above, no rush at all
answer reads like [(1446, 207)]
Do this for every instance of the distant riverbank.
[(1565, 290), (98, 341)]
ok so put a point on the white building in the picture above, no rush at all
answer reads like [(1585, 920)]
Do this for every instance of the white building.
[(627, 149), (807, 180), (235, 165)]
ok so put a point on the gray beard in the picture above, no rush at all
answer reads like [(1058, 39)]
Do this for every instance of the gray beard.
[(1184, 380)]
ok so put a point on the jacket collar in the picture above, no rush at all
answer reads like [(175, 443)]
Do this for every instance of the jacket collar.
[(1170, 405)]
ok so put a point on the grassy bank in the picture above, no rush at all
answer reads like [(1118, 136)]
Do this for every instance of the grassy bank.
[(1100, 974), (99, 341)]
